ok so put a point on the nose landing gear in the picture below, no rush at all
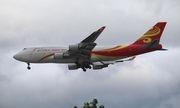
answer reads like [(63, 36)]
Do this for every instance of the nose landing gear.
[(28, 67)]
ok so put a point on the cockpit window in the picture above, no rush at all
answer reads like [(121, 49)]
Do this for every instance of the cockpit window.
[(24, 48)]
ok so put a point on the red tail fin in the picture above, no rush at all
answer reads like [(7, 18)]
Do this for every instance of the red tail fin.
[(152, 34)]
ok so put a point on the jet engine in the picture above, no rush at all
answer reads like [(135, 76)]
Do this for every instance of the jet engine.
[(76, 47), (95, 67), (72, 66), (60, 55)]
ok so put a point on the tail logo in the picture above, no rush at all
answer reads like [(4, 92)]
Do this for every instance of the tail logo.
[(146, 40), (154, 31)]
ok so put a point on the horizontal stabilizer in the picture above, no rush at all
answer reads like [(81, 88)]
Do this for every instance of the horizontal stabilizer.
[(152, 44), (163, 49)]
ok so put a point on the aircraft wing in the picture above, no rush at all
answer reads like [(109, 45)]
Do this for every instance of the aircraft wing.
[(89, 41), (80, 52), (102, 64), (113, 62), (91, 38)]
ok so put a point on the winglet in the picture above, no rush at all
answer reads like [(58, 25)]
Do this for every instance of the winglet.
[(101, 29)]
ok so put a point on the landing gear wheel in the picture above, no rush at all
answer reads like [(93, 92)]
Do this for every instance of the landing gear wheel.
[(83, 69), (28, 66)]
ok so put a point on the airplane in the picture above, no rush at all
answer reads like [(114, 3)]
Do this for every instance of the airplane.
[(87, 55)]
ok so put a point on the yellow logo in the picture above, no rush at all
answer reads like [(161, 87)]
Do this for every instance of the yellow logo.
[(154, 31), (147, 40)]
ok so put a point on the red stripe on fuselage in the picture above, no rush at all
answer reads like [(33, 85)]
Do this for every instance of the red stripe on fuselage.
[(130, 50)]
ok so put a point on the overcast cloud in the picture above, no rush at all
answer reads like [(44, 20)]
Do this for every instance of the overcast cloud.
[(150, 81)]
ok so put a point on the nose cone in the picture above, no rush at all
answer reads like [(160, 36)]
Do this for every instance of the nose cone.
[(17, 57)]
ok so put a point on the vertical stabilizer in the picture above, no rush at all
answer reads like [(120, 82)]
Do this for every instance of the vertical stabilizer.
[(153, 34)]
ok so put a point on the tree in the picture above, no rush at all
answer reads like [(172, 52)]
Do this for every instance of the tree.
[(102, 106), (86, 105), (93, 104)]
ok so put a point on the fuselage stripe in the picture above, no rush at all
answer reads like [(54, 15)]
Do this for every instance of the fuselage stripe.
[(45, 57)]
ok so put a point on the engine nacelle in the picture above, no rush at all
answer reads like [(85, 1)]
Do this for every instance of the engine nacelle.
[(76, 47), (95, 67), (60, 55), (72, 66)]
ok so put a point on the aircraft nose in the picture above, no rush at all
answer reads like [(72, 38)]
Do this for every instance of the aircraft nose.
[(17, 56)]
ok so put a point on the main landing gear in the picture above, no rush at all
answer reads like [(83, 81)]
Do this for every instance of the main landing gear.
[(85, 66), (84, 69), (28, 67)]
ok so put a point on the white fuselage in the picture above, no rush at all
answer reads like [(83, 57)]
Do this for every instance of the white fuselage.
[(46, 55)]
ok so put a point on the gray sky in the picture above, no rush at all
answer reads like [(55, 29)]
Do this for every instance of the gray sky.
[(150, 81)]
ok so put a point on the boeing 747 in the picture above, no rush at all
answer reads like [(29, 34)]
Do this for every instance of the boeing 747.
[(87, 55)]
